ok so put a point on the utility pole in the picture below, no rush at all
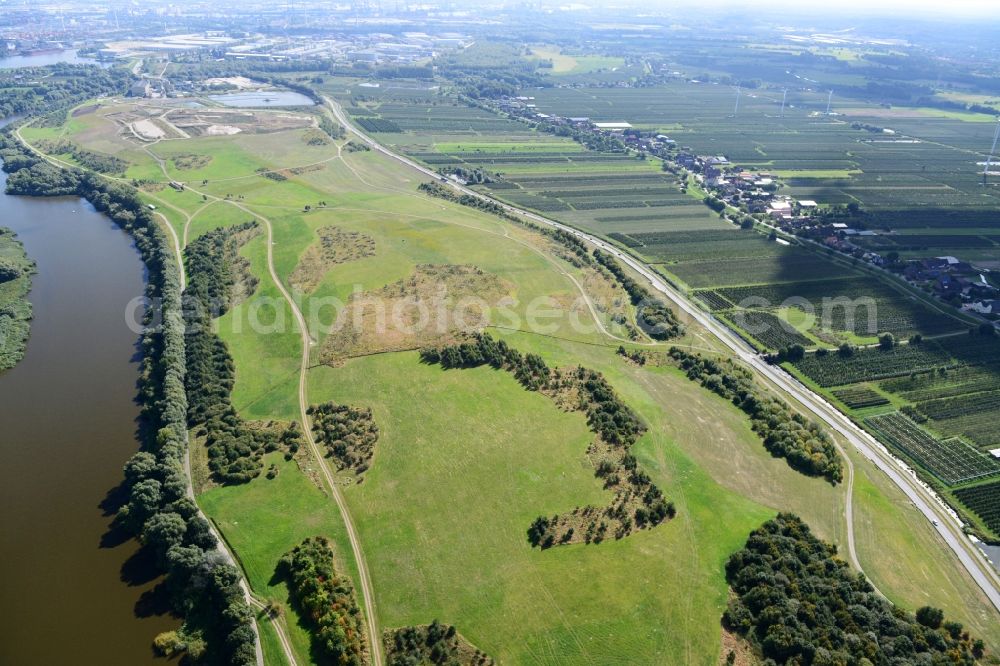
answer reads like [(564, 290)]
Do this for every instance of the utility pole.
[(993, 150)]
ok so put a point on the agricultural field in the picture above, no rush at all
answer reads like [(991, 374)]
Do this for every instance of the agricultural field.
[(860, 397), (821, 157), (872, 363), (946, 389), (951, 460), (769, 330), (984, 501), (923, 182), (851, 308), (635, 204), (603, 192), (467, 458)]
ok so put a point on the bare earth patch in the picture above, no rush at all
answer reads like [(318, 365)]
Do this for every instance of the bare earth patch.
[(335, 246), (221, 130), (241, 82), (433, 305), (217, 122), (147, 129)]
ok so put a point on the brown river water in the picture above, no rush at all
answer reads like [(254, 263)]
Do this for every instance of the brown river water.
[(69, 594)]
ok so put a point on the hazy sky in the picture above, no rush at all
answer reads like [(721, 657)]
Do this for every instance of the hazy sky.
[(987, 9)]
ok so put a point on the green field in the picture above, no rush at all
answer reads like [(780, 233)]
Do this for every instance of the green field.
[(466, 459)]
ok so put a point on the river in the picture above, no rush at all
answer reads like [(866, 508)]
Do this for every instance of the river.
[(42, 59), (67, 424)]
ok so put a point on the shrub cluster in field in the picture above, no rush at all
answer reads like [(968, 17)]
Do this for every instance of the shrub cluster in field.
[(435, 643), (15, 310), (326, 602), (652, 314), (336, 246), (637, 502), (191, 161), (349, 434), (201, 587), (786, 433), (272, 175), (799, 604)]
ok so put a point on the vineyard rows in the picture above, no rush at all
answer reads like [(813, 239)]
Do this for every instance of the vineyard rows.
[(951, 460)]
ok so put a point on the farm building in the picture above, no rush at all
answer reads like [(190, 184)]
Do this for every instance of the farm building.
[(613, 127)]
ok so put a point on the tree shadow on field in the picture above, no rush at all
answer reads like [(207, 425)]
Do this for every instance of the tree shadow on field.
[(316, 654)]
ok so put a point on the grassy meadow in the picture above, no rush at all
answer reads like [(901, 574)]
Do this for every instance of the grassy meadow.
[(466, 459)]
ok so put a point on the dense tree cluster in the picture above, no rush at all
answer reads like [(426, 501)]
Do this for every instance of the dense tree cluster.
[(89, 159), (785, 432), (16, 270), (8, 269), (357, 147), (202, 586), (799, 604), (332, 129), (529, 369), (326, 601), (28, 90), (718, 205), (234, 449), (477, 176), (349, 434), (445, 192), (637, 503), (487, 71), (270, 174), (434, 644), (592, 140), (653, 316), (573, 244), (32, 176)]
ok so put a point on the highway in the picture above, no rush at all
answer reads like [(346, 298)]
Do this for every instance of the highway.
[(944, 521)]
